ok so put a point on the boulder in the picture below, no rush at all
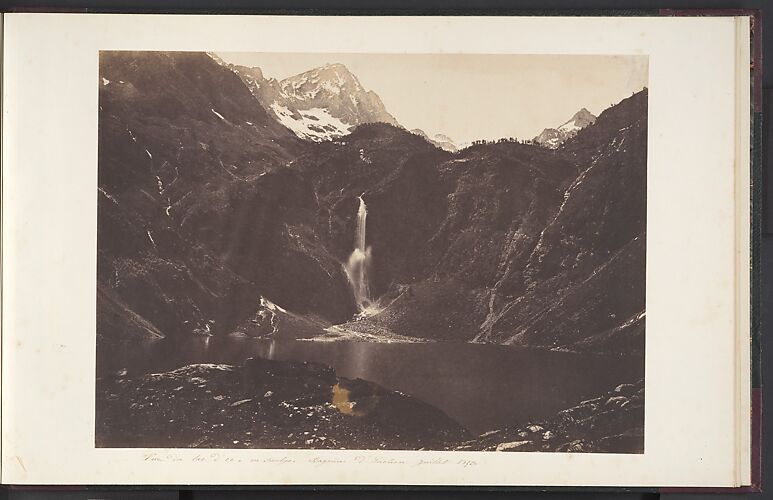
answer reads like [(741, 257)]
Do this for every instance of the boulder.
[(576, 446), (626, 389), (616, 400), (517, 446)]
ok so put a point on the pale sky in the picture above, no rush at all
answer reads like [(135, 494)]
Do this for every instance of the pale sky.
[(473, 96)]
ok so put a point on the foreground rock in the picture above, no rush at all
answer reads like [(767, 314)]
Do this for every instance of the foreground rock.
[(264, 404), (612, 423)]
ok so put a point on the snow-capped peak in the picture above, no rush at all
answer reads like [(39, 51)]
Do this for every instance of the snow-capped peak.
[(320, 104), (554, 137), (580, 120), (440, 140)]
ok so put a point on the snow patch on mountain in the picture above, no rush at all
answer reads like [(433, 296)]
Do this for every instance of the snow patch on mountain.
[(554, 137), (440, 140), (321, 104), (315, 124)]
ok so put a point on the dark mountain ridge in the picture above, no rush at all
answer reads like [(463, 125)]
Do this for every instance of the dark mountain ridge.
[(198, 215)]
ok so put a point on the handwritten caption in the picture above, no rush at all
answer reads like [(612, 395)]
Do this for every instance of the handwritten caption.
[(216, 457)]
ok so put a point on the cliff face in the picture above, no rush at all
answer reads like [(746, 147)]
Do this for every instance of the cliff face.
[(198, 215), (583, 282), (209, 207)]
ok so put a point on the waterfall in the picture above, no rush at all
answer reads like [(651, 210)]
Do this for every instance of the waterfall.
[(358, 267)]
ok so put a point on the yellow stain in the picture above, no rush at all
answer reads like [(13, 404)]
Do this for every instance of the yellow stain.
[(342, 402)]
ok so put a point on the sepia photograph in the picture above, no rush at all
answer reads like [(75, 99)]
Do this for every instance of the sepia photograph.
[(371, 251)]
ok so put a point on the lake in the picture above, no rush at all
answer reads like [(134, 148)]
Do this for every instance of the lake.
[(481, 386)]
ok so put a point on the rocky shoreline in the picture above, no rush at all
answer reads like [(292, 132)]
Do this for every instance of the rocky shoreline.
[(264, 404), (611, 423), (283, 404)]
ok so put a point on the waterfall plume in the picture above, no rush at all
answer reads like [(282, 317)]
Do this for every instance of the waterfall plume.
[(358, 266)]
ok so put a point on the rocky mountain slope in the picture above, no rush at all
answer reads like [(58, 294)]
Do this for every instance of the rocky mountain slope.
[(584, 278), (198, 215), (320, 104), (554, 137), (505, 243), (211, 213)]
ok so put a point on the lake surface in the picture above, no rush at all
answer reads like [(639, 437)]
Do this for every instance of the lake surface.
[(481, 386)]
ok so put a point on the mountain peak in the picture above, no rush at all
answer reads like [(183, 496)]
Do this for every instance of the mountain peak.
[(440, 140), (331, 77), (319, 104), (336, 66), (554, 137), (582, 118)]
